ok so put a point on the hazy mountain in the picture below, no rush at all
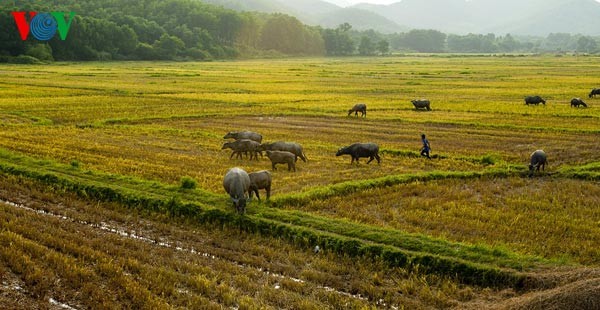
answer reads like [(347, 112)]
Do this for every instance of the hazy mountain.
[(340, 3), (317, 12), (361, 20), (530, 17), (267, 6)]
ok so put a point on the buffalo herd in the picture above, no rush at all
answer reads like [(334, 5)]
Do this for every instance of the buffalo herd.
[(241, 185), (575, 102)]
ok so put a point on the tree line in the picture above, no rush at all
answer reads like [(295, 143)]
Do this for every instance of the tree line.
[(193, 30)]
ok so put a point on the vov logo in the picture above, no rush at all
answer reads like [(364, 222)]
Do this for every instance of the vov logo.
[(43, 26)]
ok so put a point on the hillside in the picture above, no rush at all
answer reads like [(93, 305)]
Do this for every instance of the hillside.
[(535, 17), (317, 12)]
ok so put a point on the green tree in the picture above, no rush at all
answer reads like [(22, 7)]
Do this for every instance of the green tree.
[(167, 47), (338, 41), (41, 51), (286, 34), (587, 45), (508, 44), (366, 46), (429, 41), (383, 47)]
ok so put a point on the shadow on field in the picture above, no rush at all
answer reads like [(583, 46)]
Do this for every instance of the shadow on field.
[(571, 289)]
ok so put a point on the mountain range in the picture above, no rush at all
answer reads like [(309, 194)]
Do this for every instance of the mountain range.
[(517, 17)]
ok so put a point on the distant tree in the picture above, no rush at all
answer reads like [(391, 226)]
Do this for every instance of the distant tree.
[(338, 41), (41, 51), (383, 47), (167, 47), (282, 33), (508, 44), (288, 35), (345, 27), (430, 41), (587, 45), (249, 33), (559, 42), (366, 46)]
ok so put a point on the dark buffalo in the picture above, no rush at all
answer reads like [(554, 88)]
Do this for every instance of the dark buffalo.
[(260, 180), (291, 147), (243, 146), (538, 159), (576, 102), (359, 107), (358, 150), (282, 157), (534, 100), (250, 135), (594, 92), (422, 104), (237, 184)]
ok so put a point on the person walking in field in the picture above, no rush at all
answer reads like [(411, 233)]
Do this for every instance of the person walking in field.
[(426, 147)]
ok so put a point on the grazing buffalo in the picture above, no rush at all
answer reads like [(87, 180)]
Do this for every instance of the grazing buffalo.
[(358, 150), (594, 92), (422, 104), (576, 102), (237, 184), (243, 146), (291, 147), (260, 180), (538, 158), (359, 107), (282, 157), (534, 100), (250, 135)]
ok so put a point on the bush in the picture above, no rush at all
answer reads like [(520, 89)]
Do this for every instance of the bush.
[(25, 60), (41, 52), (188, 183)]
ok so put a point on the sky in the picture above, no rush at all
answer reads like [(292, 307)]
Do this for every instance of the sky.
[(352, 2)]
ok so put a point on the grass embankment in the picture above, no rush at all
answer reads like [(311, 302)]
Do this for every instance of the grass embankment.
[(90, 254), (471, 264)]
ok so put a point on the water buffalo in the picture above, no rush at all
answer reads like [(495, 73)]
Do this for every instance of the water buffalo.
[(282, 157), (250, 135), (260, 180), (236, 184), (359, 107), (291, 147), (594, 92), (538, 158), (243, 146), (422, 104), (576, 102), (534, 100), (358, 150)]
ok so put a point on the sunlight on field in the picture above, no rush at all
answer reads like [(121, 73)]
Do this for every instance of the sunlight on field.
[(163, 121)]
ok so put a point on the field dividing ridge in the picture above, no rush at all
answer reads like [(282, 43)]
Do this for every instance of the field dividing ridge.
[(139, 146)]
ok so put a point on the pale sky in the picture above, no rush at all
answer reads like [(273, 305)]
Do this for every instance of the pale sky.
[(352, 2)]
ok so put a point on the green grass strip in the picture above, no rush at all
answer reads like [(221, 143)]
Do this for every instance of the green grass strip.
[(477, 265)]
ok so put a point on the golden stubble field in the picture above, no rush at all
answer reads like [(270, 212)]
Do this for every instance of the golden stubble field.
[(163, 121)]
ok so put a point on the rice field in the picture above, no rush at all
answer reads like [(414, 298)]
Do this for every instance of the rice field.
[(110, 142)]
